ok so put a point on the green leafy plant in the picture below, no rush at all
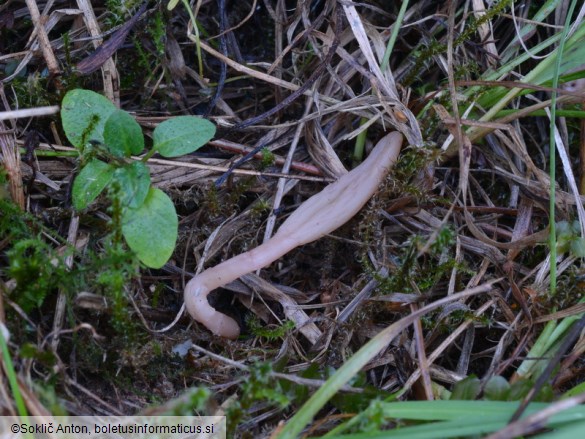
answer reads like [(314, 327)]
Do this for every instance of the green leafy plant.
[(259, 386), (106, 139), (569, 239)]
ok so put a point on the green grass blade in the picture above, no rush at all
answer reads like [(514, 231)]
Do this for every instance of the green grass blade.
[(360, 141), (498, 98), (570, 431), (525, 28), (553, 151), (577, 114), (462, 418), (394, 35), (436, 430), (11, 375)]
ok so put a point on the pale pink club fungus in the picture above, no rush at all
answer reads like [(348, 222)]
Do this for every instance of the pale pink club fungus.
[(319, 215)]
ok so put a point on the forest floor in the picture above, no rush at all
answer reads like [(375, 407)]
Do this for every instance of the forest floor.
[(459, 279)]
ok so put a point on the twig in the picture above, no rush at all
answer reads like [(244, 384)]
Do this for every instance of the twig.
[(29, 112), (38, 21)]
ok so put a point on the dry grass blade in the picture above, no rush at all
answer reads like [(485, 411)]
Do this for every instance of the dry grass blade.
[(10, 158), (109, 72), (29, 112), (38, 20), (385, 84)]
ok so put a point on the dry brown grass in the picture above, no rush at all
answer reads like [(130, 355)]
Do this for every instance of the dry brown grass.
[(467, 204)]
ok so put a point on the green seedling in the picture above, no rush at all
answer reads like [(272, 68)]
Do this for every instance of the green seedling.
[(106, 138)]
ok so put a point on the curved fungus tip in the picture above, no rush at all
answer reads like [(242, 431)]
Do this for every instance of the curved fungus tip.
[(200, 309), (319, 215)]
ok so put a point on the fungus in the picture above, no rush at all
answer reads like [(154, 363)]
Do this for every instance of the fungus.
[(319, 215)]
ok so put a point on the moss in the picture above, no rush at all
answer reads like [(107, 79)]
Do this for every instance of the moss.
[(32, 91), (434, 48), (38, 271), (270, 334), (268, 158), (260, 208), (238, 190), (119, 10), (156, 28), (211, 202)]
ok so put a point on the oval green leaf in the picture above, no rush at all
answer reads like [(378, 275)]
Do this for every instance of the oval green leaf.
[(182, 135), (578, 247), (84, 114), (134, 179), (90, 182), (122, 134), (466, 389), (496, 389), (151, 229)]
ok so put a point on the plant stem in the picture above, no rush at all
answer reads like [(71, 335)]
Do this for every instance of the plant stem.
[(50, 153), (148, 155), (360, 141), (552, 154), (197, 41), (394, 35)]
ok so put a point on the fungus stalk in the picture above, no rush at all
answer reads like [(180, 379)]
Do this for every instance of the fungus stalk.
[(319, 215)]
